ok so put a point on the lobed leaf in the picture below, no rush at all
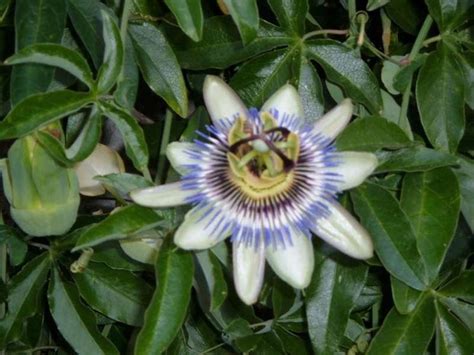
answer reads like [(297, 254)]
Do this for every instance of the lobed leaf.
[(132, 133), (39, 110), (159, 66), (431, 201), (125, 222), (245, 15), (440, 99), (391, 232), (165, 315), (36, 21), (335, 286), (372, 133), (118, 294), (342, 66), (189, 15), (57, 56), (76, 323)]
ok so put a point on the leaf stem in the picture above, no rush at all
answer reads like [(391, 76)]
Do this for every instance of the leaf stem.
[(127, 4), (165, 138), (351, 9), (432, 40), (325, 32)]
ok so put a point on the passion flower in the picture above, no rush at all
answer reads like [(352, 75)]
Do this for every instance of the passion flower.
[(269, 179)]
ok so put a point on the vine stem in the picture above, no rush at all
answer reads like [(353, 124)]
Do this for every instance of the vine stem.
[(127, 4), (325, 32), (164, 143), (432, 40), (402, 118)]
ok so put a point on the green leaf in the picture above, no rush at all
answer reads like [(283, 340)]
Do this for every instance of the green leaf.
[(431, 201), (118, 294), (35, 21), (86, 18), (404, 76), (54, 147), (210, 270), (346, 69), (41, 109), (24, 291), (132, 134), (291, 14), (124, 182), (167, 310), (88, 138), (461, 287), (452, 336), (189, 15), (17, 247), (463, 310), (406, 14), (126, 221), (440, 99), (75, 322), (449, 14), (245, 15), (260, 77), (406, 334), (375, 4), (159, 66), (335, 286), (57, 56), (467, 62), (127, 84), (113, 54), (465, 174), (391, 232), (221, 45), (311, 91), (404, 297), (371, 134), (414, 159)]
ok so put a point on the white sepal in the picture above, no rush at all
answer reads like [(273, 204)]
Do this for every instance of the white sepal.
[(285, 100), (334, 121), (249, 269), (167, 195), (221, 100), (199, 231), (343, 232), (177, 153), (294, 264), (353, 168)]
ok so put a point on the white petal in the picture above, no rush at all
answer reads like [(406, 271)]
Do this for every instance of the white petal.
[(249, 269), (285, 100), (198, 232), (343, 232), (294, 264), (354, 168), (221, 100), (178, 157), (102, 161), (161, 196), (334, 121)]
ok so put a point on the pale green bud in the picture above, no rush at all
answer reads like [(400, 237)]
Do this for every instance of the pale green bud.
[(43, 195)]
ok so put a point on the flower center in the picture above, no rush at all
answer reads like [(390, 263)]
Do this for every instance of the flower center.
[(262, 155)]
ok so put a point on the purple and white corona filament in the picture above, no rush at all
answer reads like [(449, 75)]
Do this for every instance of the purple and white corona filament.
[(269, 179)]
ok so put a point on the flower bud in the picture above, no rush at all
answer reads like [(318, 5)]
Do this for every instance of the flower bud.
[(102, 161), (43, 195)]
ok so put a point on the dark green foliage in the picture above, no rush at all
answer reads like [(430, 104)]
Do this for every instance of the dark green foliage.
[(129, 74)]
